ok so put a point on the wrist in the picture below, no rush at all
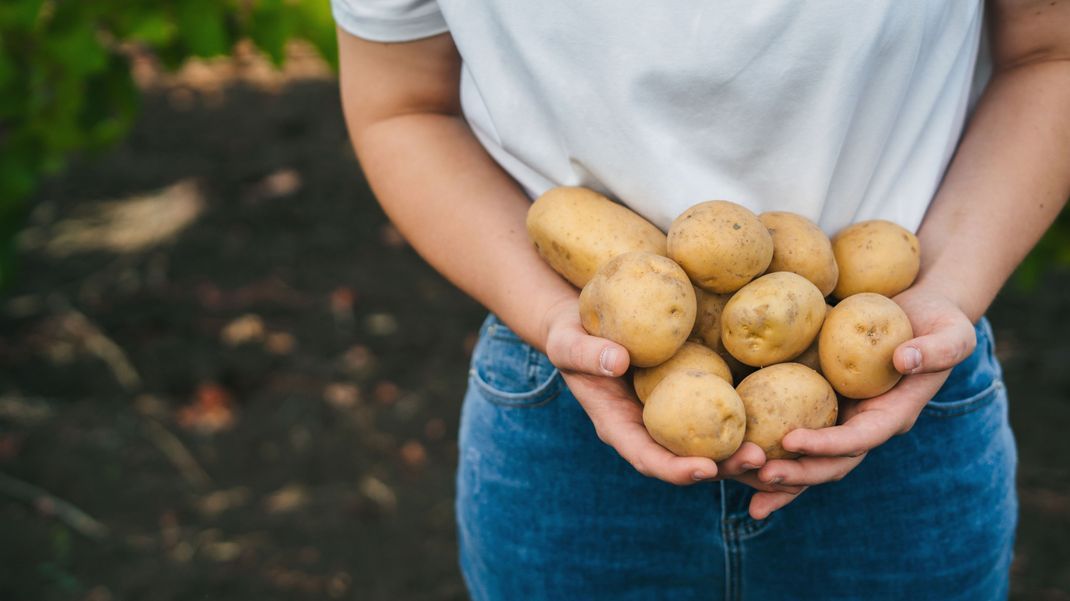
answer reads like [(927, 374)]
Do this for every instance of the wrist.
[(970, 301)]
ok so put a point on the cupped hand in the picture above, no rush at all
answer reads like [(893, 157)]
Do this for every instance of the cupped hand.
[(944, 337), (592, 368)]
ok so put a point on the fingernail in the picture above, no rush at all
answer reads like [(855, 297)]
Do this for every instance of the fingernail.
[(912, 359), (606, 359), (749, 466), (698, 476)]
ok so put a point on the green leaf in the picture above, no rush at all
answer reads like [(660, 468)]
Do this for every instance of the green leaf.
[(314, 22), (79, 49), (269, 29), (20, 14), (202, 28), (152, 28), (115, 102), (7, 70)]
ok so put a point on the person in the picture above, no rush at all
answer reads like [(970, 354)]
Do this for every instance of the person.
[(948, 118)]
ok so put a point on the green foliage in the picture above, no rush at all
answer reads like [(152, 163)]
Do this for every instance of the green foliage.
[(65, 82)]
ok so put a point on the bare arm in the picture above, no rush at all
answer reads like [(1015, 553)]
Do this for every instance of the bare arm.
[(446, 195), (1005, 186), (1011, 175)]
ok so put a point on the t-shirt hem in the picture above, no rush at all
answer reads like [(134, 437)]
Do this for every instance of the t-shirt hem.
[(391, 30)]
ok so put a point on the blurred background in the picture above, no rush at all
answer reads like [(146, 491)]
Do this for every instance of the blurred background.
[(224, 375)]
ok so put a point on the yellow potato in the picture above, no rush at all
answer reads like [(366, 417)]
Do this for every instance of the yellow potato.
[(781, 398), (857, 342), (799, 246), (707, 328), (721, 245), (875, 256), (811, 357), (577, 230), (643, 302), (773, 319), (690, 356), (695, 414)]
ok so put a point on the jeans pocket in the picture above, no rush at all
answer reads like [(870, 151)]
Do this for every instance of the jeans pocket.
[(509, 372), (939, 407), (974, 383)]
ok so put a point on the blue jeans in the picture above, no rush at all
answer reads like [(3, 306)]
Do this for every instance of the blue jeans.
[(547, 511)]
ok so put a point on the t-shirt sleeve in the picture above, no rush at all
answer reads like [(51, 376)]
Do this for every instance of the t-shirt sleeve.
[(389, 20)]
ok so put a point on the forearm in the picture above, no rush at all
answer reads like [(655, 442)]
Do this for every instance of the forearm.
[(462, 213), (1005, 186)]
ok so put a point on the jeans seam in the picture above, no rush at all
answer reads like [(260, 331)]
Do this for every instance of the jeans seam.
[(729, 535), (538, 397), (751, 527), (964, 406)]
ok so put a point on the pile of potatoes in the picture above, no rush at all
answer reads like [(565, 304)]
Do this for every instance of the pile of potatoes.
[(728, 294)]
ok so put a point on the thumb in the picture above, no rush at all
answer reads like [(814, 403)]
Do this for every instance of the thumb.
[(570, 348), (941, 349)]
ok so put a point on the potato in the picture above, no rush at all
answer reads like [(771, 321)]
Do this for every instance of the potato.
[(695, 414), (857, 342), (707, 328), (772, 319), (781, 398), (875, 256), (577, 230), (810, 357), (721, 245), (799, 246), (642, 301), (690, 356)]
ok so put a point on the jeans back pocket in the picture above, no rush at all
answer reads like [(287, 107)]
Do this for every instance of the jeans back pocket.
[(507, 371)]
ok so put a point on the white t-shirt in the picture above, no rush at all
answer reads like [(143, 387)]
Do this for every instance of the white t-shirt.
[(841, 110)]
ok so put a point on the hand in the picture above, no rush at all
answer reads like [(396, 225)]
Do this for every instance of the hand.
[(944, 338), (592, 368)]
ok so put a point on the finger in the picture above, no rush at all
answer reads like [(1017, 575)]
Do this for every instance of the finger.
[(872, 421), (748, 457), (943, 348), (863, 431), (763, 504), (572, 349), (634, 444), (807, 471), (751, 479)]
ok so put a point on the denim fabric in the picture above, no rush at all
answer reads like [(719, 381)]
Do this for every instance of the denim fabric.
[(547, 511)]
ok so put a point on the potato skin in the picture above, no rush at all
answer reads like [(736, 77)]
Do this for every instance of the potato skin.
[(707, 329), (773, 319), (857, 342), (643, 302), (695, 414), (577, 230), (720, 244), (811, 357), (799, 246), (781, 398), (690, 356), (875, 256)]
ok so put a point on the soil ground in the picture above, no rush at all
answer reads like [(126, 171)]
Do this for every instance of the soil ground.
[(219, 349)]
